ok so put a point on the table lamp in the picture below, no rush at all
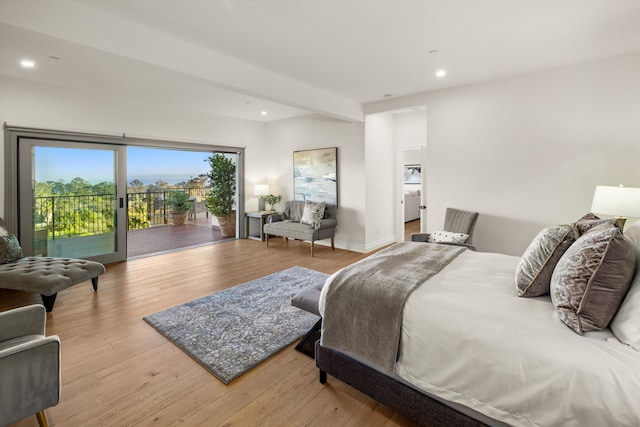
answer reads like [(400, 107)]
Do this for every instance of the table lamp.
[(261, 190), (620, 202)]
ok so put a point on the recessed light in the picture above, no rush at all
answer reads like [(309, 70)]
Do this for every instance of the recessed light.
[(441, 73), (433, 51), (55, 58), (264, 113), (388, 95), (27, 63)]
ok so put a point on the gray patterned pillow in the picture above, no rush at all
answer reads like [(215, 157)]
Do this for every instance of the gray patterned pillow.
[(590, 220), (534, 271), (592, 278), (10, 249), (313, 213)]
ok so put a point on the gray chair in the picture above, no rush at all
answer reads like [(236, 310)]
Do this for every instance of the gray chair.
[(456, 221), (30, 365)]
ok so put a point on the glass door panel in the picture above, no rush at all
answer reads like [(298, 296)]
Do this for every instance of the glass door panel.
[(71, 191)]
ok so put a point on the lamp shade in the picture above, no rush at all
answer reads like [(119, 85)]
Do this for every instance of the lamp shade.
[(261, 190), (618, 201)]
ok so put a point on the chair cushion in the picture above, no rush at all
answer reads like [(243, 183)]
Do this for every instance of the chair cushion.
[(440, 236)]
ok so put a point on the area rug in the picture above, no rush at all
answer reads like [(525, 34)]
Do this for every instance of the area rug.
[(234, 330)]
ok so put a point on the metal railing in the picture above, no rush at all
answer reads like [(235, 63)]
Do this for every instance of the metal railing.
[(85, 215)]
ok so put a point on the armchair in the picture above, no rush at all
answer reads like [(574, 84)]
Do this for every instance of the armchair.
[(455, 221), (30, 365)]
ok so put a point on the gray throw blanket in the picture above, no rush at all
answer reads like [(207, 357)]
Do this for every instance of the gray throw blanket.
[(365, 301)]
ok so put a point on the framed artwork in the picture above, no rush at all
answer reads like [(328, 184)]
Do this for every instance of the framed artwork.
[(412, 174), (315, 175)]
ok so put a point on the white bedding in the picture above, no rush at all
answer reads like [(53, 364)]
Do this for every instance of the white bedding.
[(468, 338)]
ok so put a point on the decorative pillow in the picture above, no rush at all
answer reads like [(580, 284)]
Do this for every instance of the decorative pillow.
[(626, 324), (447, 236), (590, 220), (3, 231), (313, 213), (10, 249), (592, 278), (534, 271)]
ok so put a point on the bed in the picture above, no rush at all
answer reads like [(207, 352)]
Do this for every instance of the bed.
[(475, 349)]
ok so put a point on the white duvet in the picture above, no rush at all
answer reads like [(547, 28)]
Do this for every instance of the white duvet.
[(468, 338)]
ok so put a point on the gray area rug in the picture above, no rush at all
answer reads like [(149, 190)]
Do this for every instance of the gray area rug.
[(232, 331)]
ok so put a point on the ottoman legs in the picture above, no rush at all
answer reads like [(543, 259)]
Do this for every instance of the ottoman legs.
[(48, 301)]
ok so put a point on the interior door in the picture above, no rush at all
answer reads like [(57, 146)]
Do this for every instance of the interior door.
[(72, 199)]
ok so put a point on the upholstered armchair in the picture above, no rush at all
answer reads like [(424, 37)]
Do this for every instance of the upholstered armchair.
[(455, 221), (30, 365)]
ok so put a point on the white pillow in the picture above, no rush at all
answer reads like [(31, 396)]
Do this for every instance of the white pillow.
[(626, 324), (447, 236)]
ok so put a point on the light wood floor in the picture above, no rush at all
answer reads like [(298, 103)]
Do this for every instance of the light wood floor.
[(118, 371)]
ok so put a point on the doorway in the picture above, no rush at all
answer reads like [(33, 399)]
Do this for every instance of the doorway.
[(412, 179)]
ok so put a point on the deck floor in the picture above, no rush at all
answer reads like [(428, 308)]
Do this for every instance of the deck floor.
[(163, 238), (142, 242)]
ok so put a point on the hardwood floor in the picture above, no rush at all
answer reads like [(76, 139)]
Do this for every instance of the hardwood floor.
[(411, 227), (118, 371)]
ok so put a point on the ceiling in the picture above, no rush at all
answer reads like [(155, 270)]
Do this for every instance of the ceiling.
[(291, 57)]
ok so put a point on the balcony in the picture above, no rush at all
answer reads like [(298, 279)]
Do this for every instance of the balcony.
[(83, 225)]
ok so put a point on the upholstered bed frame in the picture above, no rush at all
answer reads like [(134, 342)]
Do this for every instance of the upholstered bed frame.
[(389, 391)]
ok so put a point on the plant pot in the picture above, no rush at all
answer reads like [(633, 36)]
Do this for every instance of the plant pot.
[(178, 217), (228, 226)]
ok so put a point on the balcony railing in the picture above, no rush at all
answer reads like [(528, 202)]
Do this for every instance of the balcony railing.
[(84, 215)]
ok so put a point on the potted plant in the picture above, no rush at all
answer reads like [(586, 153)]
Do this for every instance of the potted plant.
[(222, 192), (272, 200), (179, 205)]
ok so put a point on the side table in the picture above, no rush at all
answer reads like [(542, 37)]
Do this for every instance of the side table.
[(254, 224)]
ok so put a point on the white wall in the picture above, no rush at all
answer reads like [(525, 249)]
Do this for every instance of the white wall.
[(313, 131), (410, 130), (528, 151), (380, 174), (27, 104)]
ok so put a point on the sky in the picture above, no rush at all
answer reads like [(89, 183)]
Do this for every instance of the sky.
[(145, 164)]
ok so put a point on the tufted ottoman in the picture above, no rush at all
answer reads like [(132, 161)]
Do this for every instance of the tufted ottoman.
[(48, 276)]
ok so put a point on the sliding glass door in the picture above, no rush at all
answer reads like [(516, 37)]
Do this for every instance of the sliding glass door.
[(73, 199)]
